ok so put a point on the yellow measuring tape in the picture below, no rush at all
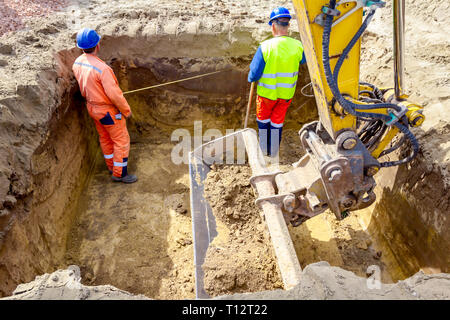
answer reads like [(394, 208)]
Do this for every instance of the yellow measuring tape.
[(176, 81)]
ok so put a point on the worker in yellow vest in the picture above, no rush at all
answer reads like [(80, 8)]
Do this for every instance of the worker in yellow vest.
[(275, 67)]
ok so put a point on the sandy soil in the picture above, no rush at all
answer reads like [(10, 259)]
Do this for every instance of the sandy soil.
[(346, 244), (413, 203), (427, 70), (241, 258), (320, 281), (36, 83)]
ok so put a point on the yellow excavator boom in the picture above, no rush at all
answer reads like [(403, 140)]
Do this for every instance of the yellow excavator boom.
[(310, 16), (311, 35)]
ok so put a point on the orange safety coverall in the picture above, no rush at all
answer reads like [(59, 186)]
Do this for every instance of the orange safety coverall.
[(108, 107)]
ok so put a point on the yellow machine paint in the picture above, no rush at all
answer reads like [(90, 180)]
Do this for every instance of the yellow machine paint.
[(341, 34), (332, 117)]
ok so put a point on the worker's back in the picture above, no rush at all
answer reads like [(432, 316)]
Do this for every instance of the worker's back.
[(89, 70), (282, 56), (98, 84), (106, 105)]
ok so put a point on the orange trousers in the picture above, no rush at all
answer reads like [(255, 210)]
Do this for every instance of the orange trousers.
[(270, 116), (113, 135)]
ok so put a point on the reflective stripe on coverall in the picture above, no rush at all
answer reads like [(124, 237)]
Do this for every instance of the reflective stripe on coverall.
[(108, 107)]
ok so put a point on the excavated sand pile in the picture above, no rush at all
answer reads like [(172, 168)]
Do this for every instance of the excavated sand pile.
[(321, 281), (66, 285), (241, 258)]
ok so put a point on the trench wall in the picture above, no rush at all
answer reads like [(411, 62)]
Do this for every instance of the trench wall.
[(409, 220), (34, 236)]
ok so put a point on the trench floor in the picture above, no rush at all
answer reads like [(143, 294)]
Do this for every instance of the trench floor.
[(137, 237), (346, 244)]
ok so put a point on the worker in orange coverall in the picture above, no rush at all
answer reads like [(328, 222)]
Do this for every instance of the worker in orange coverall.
[(105, 103)]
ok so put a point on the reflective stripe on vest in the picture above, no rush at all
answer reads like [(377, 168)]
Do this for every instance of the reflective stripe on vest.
[(278, 85), (279, 74), (282, 56)]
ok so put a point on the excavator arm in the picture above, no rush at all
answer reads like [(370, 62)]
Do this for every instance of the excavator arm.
[(344, 148), (342, 43), (357, 120)]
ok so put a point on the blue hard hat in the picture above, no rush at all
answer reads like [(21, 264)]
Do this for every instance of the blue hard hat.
[(87, 38), (279, 12)]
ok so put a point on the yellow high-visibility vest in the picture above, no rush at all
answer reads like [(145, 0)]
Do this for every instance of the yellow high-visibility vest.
[(282, 56)]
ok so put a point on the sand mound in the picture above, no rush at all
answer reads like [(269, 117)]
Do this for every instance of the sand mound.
[(241, 258)]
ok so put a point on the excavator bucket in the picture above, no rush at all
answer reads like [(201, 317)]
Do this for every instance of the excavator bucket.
[(228, 149)]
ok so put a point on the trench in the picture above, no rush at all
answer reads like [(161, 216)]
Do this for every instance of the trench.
[(138, 237)]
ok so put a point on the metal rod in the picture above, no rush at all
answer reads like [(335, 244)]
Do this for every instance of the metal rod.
[(287, 259), (316, 145), (399, 46), (252, 89)]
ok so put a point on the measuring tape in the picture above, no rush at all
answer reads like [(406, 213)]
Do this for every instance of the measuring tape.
[(176, 81)]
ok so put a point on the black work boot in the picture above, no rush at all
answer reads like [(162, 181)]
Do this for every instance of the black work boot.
[(129, 178)]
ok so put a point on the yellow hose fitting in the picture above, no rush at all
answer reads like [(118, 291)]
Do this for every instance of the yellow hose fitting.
[(371, 171), (414, 113)]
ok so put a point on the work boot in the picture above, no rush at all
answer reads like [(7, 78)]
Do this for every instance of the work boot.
[(129, 178)]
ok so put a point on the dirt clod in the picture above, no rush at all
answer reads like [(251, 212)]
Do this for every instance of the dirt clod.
[(9, 202), (6, 49)]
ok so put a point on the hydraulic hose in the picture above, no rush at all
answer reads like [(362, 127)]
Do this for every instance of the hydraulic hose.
[(414, 144), (378, 93), (377, 136), (348, 106), (345, 53), (393, 148), (370, 93), (370, 100)]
